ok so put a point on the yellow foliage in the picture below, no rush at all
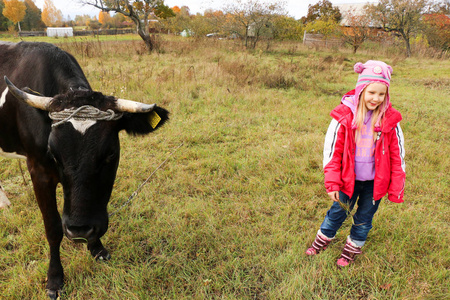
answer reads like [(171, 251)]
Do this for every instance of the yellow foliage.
[(103, 17), (176, 9), (14, 10), (51, 16)]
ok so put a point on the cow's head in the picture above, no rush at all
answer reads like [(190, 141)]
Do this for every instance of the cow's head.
[(84, 143)]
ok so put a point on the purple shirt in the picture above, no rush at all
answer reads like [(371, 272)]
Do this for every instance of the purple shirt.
[(365, 152)]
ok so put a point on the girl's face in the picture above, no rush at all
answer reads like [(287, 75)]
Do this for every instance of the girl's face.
[(374, 94)]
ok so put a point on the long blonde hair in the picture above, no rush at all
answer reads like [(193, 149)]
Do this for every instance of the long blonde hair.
[(361, 112)]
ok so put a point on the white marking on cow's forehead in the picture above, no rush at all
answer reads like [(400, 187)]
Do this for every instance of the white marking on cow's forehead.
[(11, 154), (3, 97), (82, 126)]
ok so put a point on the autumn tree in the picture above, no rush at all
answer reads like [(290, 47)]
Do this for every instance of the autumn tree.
[(94, 24), (287, 28), (322, 18), (139, 11), (322, 10), (356, 29), (82, 20), (252, 19), (32, 19), (215, 20), (403, 17), (181, 21), (443, 7), (327, 27), (3, 20), (14, 10), (104, 18), (51, 16), (176, 9), (437, 30), (201, 25), (162, 11), (120, 21)]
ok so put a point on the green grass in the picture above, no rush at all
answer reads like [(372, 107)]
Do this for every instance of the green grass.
[(233, 210)]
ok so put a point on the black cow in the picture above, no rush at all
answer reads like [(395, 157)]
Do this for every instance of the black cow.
[(68, 134)]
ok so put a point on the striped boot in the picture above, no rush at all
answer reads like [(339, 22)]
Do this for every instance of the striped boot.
[(348, 254), (320, 243)]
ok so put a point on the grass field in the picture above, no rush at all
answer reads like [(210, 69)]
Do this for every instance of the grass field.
[(233, 210)]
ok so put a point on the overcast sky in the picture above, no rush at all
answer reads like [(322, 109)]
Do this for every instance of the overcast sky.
[(295, 8)]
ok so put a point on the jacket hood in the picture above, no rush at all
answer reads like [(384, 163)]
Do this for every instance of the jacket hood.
[(349, 100)]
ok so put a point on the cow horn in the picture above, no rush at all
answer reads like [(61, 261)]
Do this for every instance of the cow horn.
[(133, 106), (32, 100)]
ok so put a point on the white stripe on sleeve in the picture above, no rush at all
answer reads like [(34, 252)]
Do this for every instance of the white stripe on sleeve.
[(330, 141), (401, 145)]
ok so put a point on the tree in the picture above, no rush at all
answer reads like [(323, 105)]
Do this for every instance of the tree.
[(287, 28), (201, 25), (326, 27), (252, 19), (180, 22), (437, 30), (215, 20), (51, 16), (162, 11), (104, 18), (14, 10), (322, 18), (176, 9), (32, 19), (400, 16), (82, 20), (3, 20), (443, 7), (94, 24), (322, 10), (139, 11), (356, 29)]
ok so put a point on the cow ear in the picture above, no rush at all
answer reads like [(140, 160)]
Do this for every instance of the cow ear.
[(143, 123)]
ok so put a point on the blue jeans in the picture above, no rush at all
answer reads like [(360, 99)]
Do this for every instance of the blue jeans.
[(362, 219)]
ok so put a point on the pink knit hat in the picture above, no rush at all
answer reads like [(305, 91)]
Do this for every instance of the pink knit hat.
[(370, 72)]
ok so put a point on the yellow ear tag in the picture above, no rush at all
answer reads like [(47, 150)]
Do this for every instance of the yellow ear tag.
[(154, 119)]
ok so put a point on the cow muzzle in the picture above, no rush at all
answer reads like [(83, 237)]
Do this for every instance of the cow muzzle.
[(81, 234)]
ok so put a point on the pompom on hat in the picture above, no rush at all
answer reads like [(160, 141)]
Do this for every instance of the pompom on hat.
[(370, 72)]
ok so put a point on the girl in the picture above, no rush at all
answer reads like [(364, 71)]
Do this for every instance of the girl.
[(363, 159)]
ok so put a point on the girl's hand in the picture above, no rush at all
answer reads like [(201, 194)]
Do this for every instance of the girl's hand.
[(334, 196)]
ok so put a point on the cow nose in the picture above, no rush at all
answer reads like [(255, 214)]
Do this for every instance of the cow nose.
[(80, 234)]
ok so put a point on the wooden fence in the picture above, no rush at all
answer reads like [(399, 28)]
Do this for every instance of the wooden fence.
[(83, 32), (320, 40)]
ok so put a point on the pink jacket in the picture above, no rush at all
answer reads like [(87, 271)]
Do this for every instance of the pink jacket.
[(339, 155)]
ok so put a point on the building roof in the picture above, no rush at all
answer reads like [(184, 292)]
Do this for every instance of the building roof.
[(356, 9)]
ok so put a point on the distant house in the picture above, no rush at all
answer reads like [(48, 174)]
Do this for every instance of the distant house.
[(59, 31), (347, 11), (357, 10)]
